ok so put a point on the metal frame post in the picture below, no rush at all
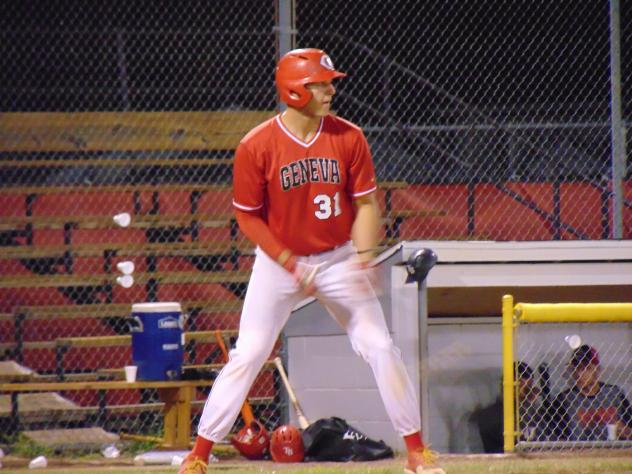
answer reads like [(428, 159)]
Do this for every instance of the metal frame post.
[(285, 30), (424, 390), (418, 266), (616, 130)]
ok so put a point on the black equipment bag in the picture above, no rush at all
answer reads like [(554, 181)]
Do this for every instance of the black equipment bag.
[(332, 439)]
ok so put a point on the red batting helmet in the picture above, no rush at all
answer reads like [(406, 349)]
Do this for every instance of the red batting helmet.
[(286, 444), (300, 67), (252, 441)]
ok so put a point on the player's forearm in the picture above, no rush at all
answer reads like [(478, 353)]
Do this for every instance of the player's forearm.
[(256, 229), (366, 227)]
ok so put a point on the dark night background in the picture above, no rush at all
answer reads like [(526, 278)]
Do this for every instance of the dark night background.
[(410, 64)]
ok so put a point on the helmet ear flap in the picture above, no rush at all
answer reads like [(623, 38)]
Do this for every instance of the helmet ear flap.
[(294, 95)]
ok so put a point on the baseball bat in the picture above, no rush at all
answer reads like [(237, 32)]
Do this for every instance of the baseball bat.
[(302, 419), (246, 409)]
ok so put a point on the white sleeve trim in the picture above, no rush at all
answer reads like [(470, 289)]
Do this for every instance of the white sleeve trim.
[(363, 193), (246, 208)]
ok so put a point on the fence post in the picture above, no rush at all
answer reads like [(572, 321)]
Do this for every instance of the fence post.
[(618, 145), (285, 29)]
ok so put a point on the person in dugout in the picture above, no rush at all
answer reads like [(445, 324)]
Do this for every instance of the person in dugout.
[(590, 410)]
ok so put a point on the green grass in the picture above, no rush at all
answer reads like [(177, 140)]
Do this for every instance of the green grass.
[(578, 464), (26, 448)]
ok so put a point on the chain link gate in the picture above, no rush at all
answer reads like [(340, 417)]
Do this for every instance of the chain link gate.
[(559, 408), (487, 121), (571, 392)]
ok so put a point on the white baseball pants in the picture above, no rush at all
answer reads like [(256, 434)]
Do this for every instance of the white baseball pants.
[(272, 294)]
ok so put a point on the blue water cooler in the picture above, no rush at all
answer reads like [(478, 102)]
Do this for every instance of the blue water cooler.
[(157, 340)]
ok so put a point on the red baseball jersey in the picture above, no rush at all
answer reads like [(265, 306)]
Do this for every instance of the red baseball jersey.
[(305, 190)]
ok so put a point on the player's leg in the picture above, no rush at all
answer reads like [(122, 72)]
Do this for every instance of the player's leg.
[(365, 325), (355, 306), (271, 295)]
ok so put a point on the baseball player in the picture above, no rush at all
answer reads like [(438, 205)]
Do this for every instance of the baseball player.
[(304, 192)]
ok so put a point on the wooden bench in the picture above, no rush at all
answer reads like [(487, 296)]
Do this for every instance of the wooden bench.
[(11, 371), (134, 189), (386, 186), (176, 416), (64, 344), (206, 255), (113, 162), (119, 374), (38, 408), (153, 225), (102, 286), (56, 256), (130, 131), (176, 397), (106, 222), (23, 226), (154, 220), (113, 310), (13, 347), (104, 374), (61, 346), (159, 249), (125, 340), (191, 309), (105, 281), (394, 219), (126, 197)]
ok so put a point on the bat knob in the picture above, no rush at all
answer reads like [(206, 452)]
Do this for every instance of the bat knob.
[(419, 265)]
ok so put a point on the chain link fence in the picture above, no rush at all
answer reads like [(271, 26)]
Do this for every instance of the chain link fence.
[(487, 121), (126, 109), (498, 114), (572, 392)]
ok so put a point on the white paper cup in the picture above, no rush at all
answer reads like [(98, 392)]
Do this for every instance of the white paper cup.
[(40, 462), (612, 432), (123, 219), (573, 341), (126, 281), (110, 452), (130, 373), (126, 268)]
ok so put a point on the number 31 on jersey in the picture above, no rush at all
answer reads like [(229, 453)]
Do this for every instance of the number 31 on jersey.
[(323, 201)]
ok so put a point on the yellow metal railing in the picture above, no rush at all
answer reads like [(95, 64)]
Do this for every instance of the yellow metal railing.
[(513, 315)]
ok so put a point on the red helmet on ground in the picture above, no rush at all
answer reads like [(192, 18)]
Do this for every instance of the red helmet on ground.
[(286, 444), (252, 441), (300, 67)]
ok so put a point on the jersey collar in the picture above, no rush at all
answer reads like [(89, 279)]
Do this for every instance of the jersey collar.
[(295, 138)]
